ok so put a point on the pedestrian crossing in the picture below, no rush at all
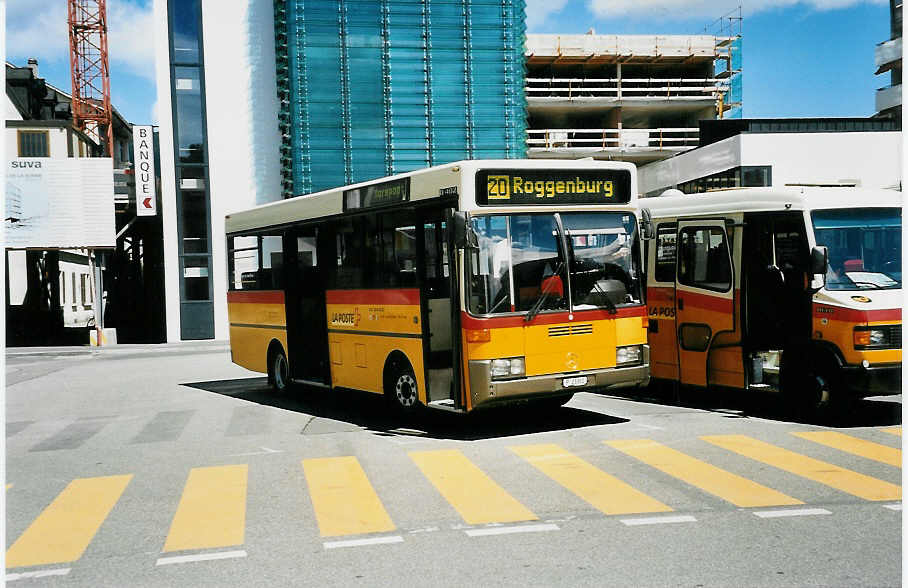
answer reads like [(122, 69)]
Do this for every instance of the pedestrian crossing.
[(348, 510)]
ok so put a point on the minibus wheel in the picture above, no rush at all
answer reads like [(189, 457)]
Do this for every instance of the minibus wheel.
[(278, 369), (401, 389)]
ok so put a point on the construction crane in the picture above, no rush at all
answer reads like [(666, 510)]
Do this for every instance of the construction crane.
[(91, 109)]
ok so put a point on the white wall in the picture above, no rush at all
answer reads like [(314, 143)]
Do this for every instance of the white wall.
[(697, 163), (12, 113), (872, 158), (243, 135), (168, 210)]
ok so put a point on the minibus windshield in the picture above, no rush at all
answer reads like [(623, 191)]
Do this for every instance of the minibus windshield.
[(521, 264), (865, 247)]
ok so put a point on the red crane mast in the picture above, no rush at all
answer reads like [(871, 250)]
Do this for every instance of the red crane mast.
[(88, 63)]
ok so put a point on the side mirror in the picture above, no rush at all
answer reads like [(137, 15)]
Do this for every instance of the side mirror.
[(819, 260), (647, 228), (464, 236), (819, 264)]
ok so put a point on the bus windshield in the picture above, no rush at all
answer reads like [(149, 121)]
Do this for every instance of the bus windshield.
[(521, 264), (865, 247)]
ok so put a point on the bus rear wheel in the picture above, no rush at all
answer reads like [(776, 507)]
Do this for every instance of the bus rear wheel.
[(278, 370), (401, 389)]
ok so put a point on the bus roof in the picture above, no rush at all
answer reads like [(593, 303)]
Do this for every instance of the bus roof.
[(424, 184), (770, 199)]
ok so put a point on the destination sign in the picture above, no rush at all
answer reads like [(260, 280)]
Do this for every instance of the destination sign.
[(377, 194), (552, 186)]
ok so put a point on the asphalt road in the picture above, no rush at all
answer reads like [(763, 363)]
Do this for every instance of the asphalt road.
[(173, 467)]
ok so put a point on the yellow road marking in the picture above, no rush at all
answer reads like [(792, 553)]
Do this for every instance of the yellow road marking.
[(62, 532), (893, 431), (212, 510), (726, 485), (473, 494), (831, 475), (855, 446), (604, 491), (344, 501)]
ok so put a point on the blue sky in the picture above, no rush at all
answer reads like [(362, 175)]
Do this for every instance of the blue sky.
[(800, 58)]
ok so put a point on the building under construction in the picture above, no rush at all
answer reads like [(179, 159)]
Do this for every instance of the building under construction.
[(630, 97)]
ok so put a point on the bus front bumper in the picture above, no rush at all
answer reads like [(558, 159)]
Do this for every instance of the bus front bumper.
[(874, 380), (486, 391)]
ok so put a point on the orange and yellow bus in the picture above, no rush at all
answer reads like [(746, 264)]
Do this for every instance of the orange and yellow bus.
[(457, 287), (796, 290)]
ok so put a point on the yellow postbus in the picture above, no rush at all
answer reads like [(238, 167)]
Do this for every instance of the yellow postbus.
[(456, 287), (795, 290)]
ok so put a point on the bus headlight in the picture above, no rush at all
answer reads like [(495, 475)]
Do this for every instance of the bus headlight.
[(630, 355), (870, 337), (508, 368)]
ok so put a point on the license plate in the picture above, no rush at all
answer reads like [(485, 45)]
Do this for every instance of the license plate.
[(574, 382)]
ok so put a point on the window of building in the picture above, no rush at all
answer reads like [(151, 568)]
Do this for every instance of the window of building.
[(82, 290), (196, 278), (666, 237), (33, 143), (749, 176), (185, 30), (703, 259), (62, 287)]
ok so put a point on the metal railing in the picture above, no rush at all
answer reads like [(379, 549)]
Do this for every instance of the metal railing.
[(625, 88), (664, 139)]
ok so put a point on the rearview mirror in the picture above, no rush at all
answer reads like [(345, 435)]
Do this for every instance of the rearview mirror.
[(819, 260), (464, 236), (647, 228), (819, 264)]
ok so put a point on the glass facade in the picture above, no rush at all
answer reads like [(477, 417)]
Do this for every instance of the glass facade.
[(187, 82), (370, 88)]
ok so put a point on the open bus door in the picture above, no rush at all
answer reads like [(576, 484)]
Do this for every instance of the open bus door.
[(705, 294), (307, 328), (441, 317)]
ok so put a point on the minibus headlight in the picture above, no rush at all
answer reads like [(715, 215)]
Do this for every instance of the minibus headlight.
[(508, 368), (867, 337), (630, 355)]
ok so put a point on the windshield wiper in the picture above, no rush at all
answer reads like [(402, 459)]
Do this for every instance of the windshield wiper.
[(609, 305), (537, 306)]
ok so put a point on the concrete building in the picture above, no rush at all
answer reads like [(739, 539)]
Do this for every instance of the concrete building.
[(635, 98), (777, 152), (219, 146), (888, 57), (273, 99), (51, 291)]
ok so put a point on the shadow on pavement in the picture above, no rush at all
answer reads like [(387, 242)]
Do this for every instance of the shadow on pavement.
[(369, 411), (869, 412)]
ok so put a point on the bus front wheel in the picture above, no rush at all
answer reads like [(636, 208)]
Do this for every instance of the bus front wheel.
[(401, 389), (278, 370)]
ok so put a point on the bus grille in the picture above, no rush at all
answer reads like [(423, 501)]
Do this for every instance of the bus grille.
[(565, 330)]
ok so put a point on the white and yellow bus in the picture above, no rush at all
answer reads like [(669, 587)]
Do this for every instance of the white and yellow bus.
[(795, 290), (457, 287)]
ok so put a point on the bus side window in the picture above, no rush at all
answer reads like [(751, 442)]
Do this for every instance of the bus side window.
[(666, 236)]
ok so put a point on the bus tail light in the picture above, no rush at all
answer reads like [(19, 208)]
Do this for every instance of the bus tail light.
[(478, 336), (645, 321)]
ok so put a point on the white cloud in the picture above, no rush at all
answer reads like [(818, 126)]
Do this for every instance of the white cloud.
[(39, 29), (538, 10), (705, 9)]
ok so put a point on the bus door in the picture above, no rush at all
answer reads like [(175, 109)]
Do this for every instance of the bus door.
[(704, 294), (307, 328), (436, 294)]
